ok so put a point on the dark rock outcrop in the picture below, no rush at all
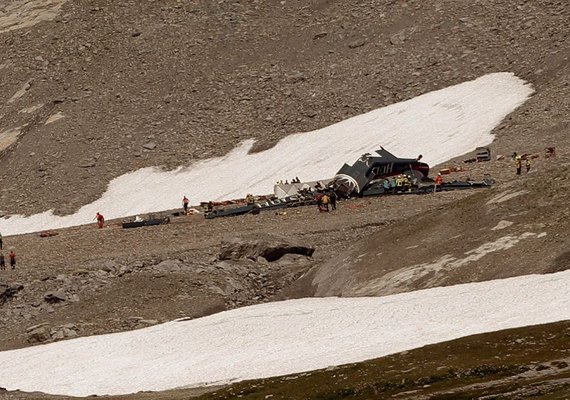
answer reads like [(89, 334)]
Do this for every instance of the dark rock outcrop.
[(269, 246), (55, 297), (8, 290)]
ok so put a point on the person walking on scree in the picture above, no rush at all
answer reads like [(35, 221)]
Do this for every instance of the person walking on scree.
[(12, 256), (100, 220), (185, 203)]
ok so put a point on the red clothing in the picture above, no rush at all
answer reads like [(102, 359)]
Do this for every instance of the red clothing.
[(185, 200), (438, 180), (100, 220)]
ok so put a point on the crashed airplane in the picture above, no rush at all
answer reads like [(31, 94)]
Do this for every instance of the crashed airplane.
[(352, 180)]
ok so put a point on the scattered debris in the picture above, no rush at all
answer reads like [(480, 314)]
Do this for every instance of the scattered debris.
[(48, 233)]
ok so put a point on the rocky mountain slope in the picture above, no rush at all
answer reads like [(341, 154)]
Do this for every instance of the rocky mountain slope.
[(92, 90), (518, 228), (106, 88)]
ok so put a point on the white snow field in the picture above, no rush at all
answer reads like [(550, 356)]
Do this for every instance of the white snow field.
[(439, 125), (281, 338)]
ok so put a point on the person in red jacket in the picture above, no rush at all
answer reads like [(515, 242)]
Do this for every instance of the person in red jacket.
[(100, 220)]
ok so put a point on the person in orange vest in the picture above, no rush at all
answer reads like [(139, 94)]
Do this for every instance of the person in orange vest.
[(438, 182), (185, 203), (100, 220)]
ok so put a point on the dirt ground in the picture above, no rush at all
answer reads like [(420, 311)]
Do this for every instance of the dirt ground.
[(92, 90), (118, 279), (167, 83)]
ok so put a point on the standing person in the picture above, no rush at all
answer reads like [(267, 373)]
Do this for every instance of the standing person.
[(100, 220), (185, 203), (527, 165), (406, 183), (386, 185), (2, 262), (332, 198), (399, 183), (438, 182), (518, 161), (12, 256), (393, 184), (325, 202), (318, 198)]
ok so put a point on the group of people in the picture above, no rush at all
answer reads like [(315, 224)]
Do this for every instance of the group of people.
[(518, 162), (11, 256), (294, 180), (399, 183), (324, 199)]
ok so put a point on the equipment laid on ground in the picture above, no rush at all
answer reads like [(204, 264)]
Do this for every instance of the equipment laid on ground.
[(429, 186), (266, 204), (482, 154), (468, 184), (550, 152), (147, 222), (229, 211)]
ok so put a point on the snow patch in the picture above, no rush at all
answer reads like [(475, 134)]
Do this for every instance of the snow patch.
[(282, 338), (30, 110), (55, 117), (502, 225), (9, 137), (20, 93), (440, 125), (506, 196), (18, 14)]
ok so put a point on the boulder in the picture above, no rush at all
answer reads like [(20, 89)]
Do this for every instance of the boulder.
[(64, 332), (39, 333), (269, 246), (55, 297), (168, 266), (9, 290), (357, 43)]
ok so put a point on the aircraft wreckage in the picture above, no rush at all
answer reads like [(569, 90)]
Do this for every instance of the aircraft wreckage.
[(363, 178)]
